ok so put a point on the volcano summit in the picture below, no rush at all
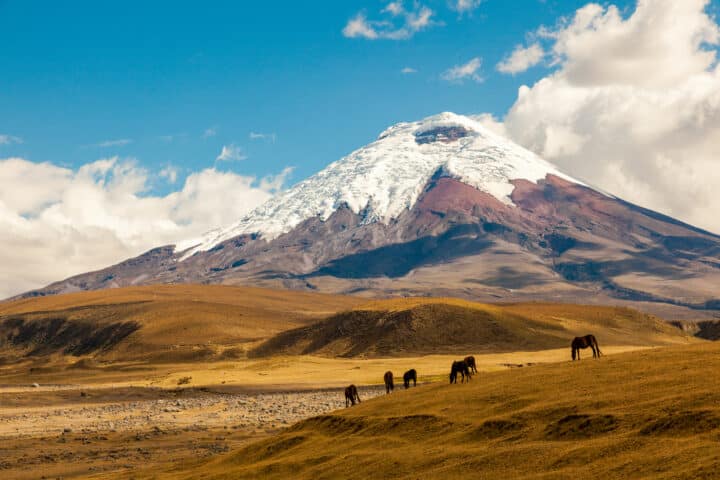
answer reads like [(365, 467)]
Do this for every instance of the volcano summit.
[(447, 207)]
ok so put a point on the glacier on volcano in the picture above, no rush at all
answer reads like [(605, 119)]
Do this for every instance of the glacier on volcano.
[(386, 177)]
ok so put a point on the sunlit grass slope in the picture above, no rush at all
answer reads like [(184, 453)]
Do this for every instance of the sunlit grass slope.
[(172, 322), (418, 326), (647, 414)]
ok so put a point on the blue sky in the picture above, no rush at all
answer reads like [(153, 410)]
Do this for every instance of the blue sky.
[(113, 115), (161, 74)]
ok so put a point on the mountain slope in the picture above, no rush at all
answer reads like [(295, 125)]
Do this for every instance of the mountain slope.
[(444, 207)]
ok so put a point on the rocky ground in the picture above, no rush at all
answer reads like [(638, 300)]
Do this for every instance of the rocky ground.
[(103, 432), (206, 408)]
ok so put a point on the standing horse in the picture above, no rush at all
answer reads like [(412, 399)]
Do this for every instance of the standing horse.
[(470, 361), (462, 368), (351, 394), (410, 375), (389, 383), (584, 342)]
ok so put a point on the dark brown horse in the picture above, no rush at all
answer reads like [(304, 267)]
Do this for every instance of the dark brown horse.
[(389, 383), (584, 342), (470, 361), (351, 394), (462, 368), (410, 375)]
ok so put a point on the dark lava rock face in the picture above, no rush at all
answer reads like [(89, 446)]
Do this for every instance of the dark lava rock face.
[(441, 134)]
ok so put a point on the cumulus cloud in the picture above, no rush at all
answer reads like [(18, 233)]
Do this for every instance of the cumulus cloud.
[(231, 153), (209, 132), (633, 106), (399, 23), (408, 71), (521, 59), (9, 139), (459, 73), (56, 222)]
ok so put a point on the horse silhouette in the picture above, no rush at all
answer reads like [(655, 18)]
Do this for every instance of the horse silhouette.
[(410, 375), (584, 342), (351, 394), (389, 383), (462, 368), (470, 361)]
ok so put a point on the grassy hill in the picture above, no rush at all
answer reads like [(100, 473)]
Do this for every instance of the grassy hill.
[(647, 414), (162, 323), (418, 326)]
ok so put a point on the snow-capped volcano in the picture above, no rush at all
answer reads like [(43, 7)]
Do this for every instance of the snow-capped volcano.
[(385, 178), (444, 206)]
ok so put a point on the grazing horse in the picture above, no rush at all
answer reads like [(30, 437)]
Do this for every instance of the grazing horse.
[(470, 361), (462, 368), (584, 342), (410, 375), (351, 394), (389, 383)]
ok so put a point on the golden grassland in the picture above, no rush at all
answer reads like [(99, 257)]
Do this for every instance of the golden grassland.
[(653, 395), (181, 322), (646, 414)]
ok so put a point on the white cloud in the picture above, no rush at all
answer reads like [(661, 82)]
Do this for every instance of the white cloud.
[(399, 24), (56, 222), (170, 173), (209, 132), (231, 153), (633, 106), (470, 70), (394, 8), (114, 143), (464, 6), (521, 59), (408, 70), (263, 136), (9, 139)]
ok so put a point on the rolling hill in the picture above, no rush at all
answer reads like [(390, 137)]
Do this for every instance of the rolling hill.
[(649, 414), (161, 323), (420, 326)]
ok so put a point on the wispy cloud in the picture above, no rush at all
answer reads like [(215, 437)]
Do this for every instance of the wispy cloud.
[(114, 143), (408, 71), (231, 153), (210, 132), (170, 173), (271, 137), (465, 6), (9, 139), (399, 23), (521, 59), (459, 73)]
